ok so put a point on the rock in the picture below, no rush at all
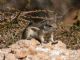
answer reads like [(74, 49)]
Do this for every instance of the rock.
[(21, 53), (34, 42), (10, 57), (31, 50), (1, 56), (43, 56), (14, 46), (60, 45), (59, 58), (6, 50), (48, 45), (32, 57)]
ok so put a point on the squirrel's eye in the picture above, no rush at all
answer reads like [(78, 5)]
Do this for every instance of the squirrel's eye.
[(50, 26)]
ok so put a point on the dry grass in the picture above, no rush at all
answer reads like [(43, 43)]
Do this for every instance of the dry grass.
[(68, 30)]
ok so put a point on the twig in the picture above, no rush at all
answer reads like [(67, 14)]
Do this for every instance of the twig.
[(46, 11), (43, 18)]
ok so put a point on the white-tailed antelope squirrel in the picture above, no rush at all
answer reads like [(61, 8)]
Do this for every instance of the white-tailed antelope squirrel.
[(43, 33)]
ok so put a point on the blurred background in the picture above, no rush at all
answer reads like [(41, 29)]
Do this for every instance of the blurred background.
[(61, 6)]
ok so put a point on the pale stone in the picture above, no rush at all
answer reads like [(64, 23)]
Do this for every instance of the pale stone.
[(10, 57), (1, 56), (60, 45), (43, 56), (21, 53), (31, 50), (34, 42), (6, 50)]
